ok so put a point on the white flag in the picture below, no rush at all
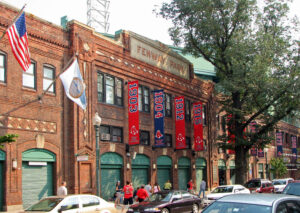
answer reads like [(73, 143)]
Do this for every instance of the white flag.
[(73, 84)]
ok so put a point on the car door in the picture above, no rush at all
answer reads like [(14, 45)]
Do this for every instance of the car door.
[(187, 201), (288, 206), (70, 205), (90, 203), (176, 204)]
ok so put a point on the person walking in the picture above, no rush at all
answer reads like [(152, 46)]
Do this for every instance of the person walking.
[(168, 185), (156, 188), (128, 193), (148, 188), (190, 186), (142, 194), (118, 192), (202, 188), (62, 190)]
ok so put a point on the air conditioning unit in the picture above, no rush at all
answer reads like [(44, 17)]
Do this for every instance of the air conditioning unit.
[(105, 137)]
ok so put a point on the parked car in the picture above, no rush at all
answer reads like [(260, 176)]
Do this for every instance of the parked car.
[(279, 184), (257, 203), (168, 201), (260, 185), (222, 191), (292, 188), (73, 203)]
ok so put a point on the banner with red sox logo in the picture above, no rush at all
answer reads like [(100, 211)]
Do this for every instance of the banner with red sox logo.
[(133, 113), (159, 111), (180, 122), (198, 126)]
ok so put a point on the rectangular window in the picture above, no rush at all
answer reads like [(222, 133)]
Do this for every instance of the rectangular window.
[(111, 133), (261, 170), (144, 99), (144, 137), (48, 78), (2, 67), (168, 105), (187, 142), (168, 140), (204, 115), (109, 89), (29, 77), (187, 106)]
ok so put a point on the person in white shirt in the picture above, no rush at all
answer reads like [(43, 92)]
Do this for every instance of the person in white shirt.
[(62, 190)]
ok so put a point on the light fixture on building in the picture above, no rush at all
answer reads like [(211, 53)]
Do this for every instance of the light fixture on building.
[(128, 166), (194, 166), (175, 166), (14, 163), (154, 166), (128, 154)]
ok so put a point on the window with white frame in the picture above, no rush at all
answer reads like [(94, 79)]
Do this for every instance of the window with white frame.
[(144, 99), (29, 77), (2, 67), (48, 78), (168, 105)]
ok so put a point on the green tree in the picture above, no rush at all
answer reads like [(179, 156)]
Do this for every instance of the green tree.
[(8, 138), (256, 61), (278, 168)]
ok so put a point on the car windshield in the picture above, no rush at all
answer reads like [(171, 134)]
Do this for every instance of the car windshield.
[(292, 189), (158, 197), (45, 205), (223, 189), (279, 182), (224, 207), (253, 184)]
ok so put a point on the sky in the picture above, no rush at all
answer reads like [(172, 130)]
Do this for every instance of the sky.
[(134, 15)]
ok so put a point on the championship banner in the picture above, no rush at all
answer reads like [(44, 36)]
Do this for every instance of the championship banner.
[(260, 153), (230, 136), (180, 123), (198, 126), (133, 113), (253, 151), (279, 140), (294, 149), (159, 111)]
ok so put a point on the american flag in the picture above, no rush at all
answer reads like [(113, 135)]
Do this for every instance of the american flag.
[(17, 36)]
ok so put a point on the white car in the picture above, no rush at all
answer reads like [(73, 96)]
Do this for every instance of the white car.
[(73, 204), (222, 191), (279, 184)]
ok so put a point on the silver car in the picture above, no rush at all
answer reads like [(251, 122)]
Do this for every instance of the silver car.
[(255, 203)]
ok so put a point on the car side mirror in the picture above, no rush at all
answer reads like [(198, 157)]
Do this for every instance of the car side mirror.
[(62, 208), (175, 198), (236, 191)]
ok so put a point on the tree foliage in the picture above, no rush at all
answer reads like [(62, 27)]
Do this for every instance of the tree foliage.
[(8, 138), (256, 61), (278, 168)]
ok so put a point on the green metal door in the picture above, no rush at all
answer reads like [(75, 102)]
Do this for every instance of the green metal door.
[(2, 159), (139, 177), (164, 165), (163, 175), (200, 172), (1, 185), (37, 175), (184, 165), (37, 182), (140, 166), (109, 178), (111, 167), (232, 171), (199, 177)]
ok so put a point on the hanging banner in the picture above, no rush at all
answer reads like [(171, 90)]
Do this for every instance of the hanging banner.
[(252, 128), (260, 153), (159, 111), (180, 123), (294, 149), (198, 126), (231, 137), (279, 140), (133, 113)]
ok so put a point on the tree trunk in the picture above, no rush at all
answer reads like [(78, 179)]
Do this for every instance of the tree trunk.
[(241, 165)]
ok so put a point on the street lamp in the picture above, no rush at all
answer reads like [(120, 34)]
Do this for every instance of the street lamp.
[(96, 123), (267, 166)]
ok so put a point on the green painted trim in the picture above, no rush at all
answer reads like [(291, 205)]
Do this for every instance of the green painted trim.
[(140, 160), (140, 166), (38, 155), (184, 162), (110, 166), (2, 155), (111, 158), (200, 162), (164, 161)]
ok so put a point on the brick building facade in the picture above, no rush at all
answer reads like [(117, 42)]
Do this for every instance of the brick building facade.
[(57, 138)]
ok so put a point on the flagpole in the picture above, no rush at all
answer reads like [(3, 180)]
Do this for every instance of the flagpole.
[(17, 16)]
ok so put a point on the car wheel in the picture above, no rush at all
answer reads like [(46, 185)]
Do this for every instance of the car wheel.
[(195, 208), (164, 210)]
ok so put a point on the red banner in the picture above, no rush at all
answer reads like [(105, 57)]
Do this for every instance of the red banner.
[(180, 123), (198, 126), (133, 113)]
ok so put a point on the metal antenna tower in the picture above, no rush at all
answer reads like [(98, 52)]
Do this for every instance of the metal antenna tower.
[(98, 15)]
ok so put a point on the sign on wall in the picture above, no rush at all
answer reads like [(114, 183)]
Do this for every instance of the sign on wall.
[(133, 113), (159, 111), (180, 123)]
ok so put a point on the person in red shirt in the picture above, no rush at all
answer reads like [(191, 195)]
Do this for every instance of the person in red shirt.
[(190, 186), (142, 194), (128, 193)]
